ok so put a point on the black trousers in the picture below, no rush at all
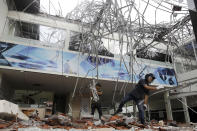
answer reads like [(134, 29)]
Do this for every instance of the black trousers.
[(139, 105), (96, 105)]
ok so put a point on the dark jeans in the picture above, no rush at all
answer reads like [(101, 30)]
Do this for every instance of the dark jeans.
[(97, 106), (139, 105)]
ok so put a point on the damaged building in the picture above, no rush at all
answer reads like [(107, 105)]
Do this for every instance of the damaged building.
[(51, 60)]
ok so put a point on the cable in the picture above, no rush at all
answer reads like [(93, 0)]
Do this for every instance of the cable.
[(187, 105)]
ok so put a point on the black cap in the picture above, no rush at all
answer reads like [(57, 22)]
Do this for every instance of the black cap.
[(98, 84), (151, 75)]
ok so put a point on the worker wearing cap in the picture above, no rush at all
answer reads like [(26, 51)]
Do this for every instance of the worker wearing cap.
[(138, 94)]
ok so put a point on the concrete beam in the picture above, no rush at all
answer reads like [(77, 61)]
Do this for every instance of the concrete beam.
[(41, 20), (180, 95), (51, 21)]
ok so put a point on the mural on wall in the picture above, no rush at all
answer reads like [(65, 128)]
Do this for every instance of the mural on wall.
[(22, 56)]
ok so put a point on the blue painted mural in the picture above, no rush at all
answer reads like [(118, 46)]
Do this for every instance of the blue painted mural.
[(71, 63)]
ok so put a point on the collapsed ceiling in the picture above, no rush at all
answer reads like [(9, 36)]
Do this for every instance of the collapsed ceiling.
[(130, 22)]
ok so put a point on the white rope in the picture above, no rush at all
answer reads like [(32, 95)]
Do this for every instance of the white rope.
[(186, 105)]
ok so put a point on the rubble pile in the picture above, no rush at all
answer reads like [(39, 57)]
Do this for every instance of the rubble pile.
[(16, 120), (65, 122)]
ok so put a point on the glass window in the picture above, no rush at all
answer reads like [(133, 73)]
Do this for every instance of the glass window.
[(48, 36), (76, 45)]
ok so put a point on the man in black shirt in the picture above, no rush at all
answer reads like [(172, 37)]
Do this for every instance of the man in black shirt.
[(140, 93), (97, 104)]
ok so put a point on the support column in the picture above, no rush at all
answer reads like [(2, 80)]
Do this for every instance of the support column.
[(168, 106), (80, 106), (186, 113)]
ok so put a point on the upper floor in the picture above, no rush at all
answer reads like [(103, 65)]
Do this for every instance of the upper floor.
[(25, 33)]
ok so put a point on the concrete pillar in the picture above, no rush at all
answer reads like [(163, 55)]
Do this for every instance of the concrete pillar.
[(186, 113), (168, 106), (80, 105)]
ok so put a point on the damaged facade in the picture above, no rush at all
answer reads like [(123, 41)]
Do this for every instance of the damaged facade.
[(48, 64)]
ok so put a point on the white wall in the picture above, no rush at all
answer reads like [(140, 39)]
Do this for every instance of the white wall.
[(188, 77), (3, 15)]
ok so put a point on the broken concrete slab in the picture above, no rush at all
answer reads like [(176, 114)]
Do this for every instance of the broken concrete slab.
[(10, 109)]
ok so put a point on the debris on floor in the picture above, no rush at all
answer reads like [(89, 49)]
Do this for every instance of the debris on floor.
[(18, 121), (62, 122)]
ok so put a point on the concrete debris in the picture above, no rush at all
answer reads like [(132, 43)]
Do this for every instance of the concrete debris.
[(161, 123), (87, 126), (194, 125), (34, 112), (31, 113), (116, 117), (5, 124), (172, 123), (11, 111), (59, 119), (128, 120), (96, 123), (63, 122)]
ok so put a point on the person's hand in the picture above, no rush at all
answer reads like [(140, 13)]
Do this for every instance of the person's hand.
[(145, 106), (159, 87)]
